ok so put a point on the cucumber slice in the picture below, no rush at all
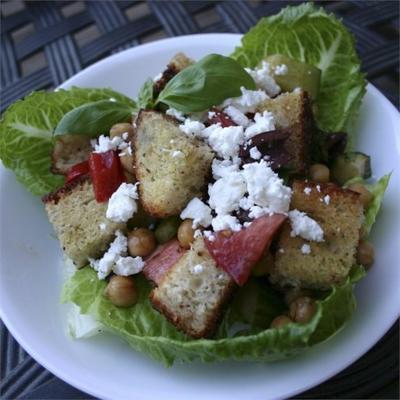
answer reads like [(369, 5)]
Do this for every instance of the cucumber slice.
[(351, 165), (298, 75)]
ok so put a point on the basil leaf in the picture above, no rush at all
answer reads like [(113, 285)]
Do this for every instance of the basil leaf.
[(206, 83), (145, 97), (92, 119)]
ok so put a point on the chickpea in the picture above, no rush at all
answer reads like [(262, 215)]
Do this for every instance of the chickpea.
[(121, 291), (292, 294), (119, 129), (302, 309), (279, 321), (127, 162), (141, 242), (365, 195), (365, 254), (186, 233), (319, 173)]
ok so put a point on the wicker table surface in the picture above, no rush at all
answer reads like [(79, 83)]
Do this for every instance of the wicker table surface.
[(45, 42)]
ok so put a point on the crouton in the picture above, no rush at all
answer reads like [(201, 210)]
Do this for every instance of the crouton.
[(193, 292), (68, 151), (339, 212), (171, 167), (177, 64), (293, 111), (76, 217)]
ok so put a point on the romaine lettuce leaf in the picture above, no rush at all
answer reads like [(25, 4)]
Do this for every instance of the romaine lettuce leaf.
[(26, 133), (308, 34), (243, 335)]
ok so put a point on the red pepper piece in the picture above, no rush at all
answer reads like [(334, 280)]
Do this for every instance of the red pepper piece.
[(107, 174), (237, 252), (77, 170)]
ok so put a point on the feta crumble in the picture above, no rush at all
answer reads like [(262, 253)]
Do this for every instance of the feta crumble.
[(192, 128), (264, 122), (307, 191), (237, 116), (255, 153), (305, 227), (263, 79), (248, 101), (115, 260), (327, 199), (225, 141), (172, 112), (306, 249), (281, 69), (199, 212), (122, 204), (225, 221), (220, 168), (105, 143)]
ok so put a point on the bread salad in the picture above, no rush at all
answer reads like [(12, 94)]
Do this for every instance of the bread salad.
[(224, 213)]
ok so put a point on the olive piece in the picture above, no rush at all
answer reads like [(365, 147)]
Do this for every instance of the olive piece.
[(279, 321), (319, 173), (365, 254), (119, 129), (186, 233), (302, 309), (141, 242), (365, 195), (121, 291)]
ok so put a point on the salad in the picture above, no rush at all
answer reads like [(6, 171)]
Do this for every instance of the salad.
[(224, 213)]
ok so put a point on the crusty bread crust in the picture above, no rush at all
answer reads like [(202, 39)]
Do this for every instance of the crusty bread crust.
[(69, 187)]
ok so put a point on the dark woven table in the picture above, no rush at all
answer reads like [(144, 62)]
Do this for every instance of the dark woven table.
[(44, 43)]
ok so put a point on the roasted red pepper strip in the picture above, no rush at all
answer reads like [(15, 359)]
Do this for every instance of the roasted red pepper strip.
[(78, 170), (107, 174), (237, 252)]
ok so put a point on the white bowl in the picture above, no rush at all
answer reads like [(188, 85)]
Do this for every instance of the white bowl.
[(31, 271)]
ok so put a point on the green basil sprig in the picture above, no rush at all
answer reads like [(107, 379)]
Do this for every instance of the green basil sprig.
[(92, 119), (205, 84), (145, 98)]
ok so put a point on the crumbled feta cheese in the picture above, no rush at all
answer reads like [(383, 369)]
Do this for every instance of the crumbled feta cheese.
[(197, 269), (209, 235), (248, 101), (226, 192), (265, 188), (255, 154), (177, 154), (304, 226), (264, 122), (327, 199), (192, 128), (199, 212), (220, 168), (125, 136), (126, 266), (245, 203), (237, 116), (105, 143), (211, 114), (115, 259), (306, 249), (197, 233), (224, 221), (318, 188), (263, 79), (281, 69), (103, 226), (176, 114), (122, 204), (225, 141), (257, 212), (307, 191)]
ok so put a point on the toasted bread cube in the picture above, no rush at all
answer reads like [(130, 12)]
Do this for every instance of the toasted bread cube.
[(171, 167), (76, 217), (339, 212), (293, 111), (193, 292), (68, 151)]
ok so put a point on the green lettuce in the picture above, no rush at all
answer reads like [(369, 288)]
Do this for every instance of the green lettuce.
[(26, 133), (309, 34), (243, 333)]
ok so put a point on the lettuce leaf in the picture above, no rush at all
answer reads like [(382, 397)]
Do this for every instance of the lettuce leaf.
[(26, 133), (243, 334), (308, 34)]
